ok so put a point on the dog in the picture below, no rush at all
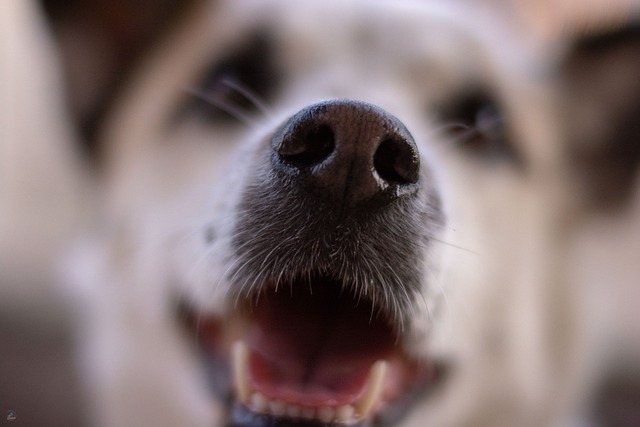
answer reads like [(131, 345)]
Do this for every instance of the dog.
[(332, 213), (329, 214)]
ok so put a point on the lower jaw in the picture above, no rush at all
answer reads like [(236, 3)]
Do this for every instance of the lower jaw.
[(248, 411), (386, 414), (250, 404), (326, 409), (239, 415)]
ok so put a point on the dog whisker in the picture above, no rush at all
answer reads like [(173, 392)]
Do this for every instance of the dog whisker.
[(226, 106), (248, 94), (452, 245)]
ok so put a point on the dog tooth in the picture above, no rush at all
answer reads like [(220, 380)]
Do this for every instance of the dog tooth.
[(344, 413), (277, 408), (372, 395), (259, 402), (308, 412), (240, 361), (326, 414), (294, 411)]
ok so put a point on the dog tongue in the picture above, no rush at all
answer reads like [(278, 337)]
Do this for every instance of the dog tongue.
[(315, 349)]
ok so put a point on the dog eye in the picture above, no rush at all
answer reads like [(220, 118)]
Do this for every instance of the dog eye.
[(474, 121), (235, 88)]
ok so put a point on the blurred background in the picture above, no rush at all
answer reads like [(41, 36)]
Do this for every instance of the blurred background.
[(98, 44)]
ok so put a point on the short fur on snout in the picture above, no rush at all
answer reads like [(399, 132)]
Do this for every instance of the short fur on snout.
[(339, 211), (410, 291)]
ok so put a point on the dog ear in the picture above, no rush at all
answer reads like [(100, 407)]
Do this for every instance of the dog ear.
[(600, 103)]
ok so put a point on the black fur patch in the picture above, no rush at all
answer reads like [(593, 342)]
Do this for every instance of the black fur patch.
[(601, 95)]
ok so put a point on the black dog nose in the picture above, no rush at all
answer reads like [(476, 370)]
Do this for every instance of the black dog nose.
[(348, 150)]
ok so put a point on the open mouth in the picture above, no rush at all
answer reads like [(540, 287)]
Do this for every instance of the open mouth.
[(313, 352)]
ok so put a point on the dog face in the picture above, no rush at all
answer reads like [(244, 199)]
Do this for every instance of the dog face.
[(347, 204)]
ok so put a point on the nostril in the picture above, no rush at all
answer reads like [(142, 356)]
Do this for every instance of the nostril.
[(307, 146), (396, 162)]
